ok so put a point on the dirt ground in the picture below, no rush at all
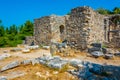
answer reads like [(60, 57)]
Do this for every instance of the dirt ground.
[(40, 72)]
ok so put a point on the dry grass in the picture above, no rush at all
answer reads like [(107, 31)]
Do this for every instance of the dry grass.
[(43, 70)]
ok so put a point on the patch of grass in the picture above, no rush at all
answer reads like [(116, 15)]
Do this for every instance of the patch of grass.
[(104, 46), (64, 68)]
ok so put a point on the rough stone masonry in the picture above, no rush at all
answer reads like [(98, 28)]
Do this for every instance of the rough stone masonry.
[(82, 27)]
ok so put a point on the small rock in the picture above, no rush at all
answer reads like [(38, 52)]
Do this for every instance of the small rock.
[(3, 56), (55, 72)]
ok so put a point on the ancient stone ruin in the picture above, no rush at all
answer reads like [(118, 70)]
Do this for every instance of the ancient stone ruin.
[(82, 27)]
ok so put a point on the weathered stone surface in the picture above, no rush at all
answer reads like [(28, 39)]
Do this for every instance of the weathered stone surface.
[(25, 62), (3, 56), (10, 65), (93, 71), (58, 64), (97, 53), (109, 56), (94, 49), (98, 45), (82, 27), (35, 61), (16, 49), (75, 62), (3, 78)]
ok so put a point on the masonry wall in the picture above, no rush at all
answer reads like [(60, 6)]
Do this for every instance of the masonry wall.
[(29, 40), (84, 27), (96, 27), (56, 22), (42, 30)]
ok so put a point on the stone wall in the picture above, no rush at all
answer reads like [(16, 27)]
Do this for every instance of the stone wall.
[(48, 28), (96, 27), (84, 27), (58, 28), (29, 40), (81, 28), (42, 30)]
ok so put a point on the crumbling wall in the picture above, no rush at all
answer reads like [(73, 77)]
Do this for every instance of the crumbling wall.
[(96, 27), (29, 40), (48, 28), (42, 30), (84, 27), (58, 28)]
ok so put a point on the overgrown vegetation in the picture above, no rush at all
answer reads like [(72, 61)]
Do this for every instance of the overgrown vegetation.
[(104, 11), (13, 35)]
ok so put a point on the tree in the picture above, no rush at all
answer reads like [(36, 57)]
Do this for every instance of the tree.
[(27, 28), (116, 10), (13, 29), (2, 31), (103, 11)]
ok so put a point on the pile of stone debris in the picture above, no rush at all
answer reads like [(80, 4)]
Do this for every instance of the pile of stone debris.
[(85, 70), (97, 50)]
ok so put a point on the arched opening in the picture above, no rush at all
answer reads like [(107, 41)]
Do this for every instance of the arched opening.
[(61, 29)]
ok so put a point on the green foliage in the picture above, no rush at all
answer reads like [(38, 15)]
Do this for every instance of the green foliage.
[(116, 10), (10, 37), (103, 11)]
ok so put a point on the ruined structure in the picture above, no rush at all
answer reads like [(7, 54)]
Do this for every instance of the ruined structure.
[(82, 27)]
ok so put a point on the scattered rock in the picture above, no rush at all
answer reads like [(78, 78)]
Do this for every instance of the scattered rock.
[(3, 56), (26, 50), (32, 47), (55, 72), (35, 61), (97, 54), (15, 49), (109, 56), (46, 47), (117, 54), (5, 51), (75, 62), (10, 65), (58, 64), (3, 78), (25, 62)]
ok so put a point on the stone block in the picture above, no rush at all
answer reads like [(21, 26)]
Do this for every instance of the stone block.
[(10, 65)]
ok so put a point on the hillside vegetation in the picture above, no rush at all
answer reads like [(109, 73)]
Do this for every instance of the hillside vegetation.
[(13, 35)]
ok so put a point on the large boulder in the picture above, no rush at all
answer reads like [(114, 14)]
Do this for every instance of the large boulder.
[(10, 65)]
